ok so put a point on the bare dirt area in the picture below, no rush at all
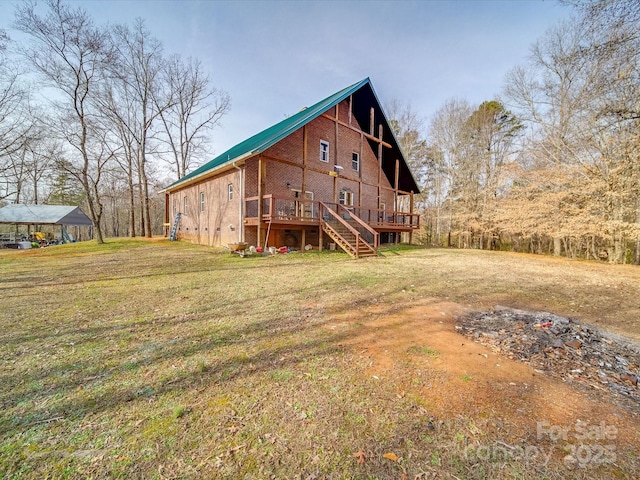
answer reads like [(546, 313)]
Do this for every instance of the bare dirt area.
[(518, 411)]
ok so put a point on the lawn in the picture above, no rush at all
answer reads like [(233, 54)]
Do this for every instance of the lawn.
[(156, 359)]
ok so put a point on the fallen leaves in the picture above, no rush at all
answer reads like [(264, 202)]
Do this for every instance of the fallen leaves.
[(391, 456), (360, 457)]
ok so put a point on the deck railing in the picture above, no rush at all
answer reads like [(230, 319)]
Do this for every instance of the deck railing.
[(302, 210), (376, 217), (283, 209)]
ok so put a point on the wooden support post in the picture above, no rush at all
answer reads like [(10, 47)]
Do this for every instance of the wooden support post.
[(411, 211), (379, 163), (305, 139), (350, 108), (395, 185), (361, 151), (260, 190), (303, 240), (335, 160), (371, 121)]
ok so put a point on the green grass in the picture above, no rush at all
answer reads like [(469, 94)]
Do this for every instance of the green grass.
[(424, 351), (139, 359)]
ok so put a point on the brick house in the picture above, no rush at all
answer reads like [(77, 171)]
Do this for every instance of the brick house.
[(333, 173)]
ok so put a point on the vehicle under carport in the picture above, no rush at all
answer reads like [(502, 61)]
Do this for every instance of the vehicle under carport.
[(19, 224)]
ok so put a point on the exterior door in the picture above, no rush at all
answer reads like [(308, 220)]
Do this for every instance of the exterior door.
[(304, 208)]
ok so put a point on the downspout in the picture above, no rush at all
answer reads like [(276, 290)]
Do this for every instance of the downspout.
[(240, 203)]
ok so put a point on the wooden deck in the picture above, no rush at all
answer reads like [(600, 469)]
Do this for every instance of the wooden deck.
[(304, 212)]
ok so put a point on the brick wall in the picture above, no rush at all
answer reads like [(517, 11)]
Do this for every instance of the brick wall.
[(343, 142), (218, 223)]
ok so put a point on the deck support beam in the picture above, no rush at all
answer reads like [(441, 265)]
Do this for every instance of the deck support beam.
[(260, 195)]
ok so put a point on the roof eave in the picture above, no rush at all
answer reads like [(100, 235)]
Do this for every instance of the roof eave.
[(209, 173)]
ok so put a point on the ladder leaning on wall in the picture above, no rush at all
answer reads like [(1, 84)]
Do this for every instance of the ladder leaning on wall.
[(174, 229)]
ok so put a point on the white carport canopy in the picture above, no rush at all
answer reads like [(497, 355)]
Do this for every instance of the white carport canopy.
[(19, 214)]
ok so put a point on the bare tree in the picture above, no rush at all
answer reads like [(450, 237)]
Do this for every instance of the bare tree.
[(196, 109), (409, 129), (448, 146), (139, 68), (119, 108), (70, 54), (16, 121), (579, 95), (490, 133)]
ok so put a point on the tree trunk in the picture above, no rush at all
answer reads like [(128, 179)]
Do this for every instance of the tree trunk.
[(132, 200)]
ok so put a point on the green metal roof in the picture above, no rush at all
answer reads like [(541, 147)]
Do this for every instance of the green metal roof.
[(269, 137)]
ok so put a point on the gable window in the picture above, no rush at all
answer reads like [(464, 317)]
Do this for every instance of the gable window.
[(355, 161), (184, 210), (202, 201), (230, 192), (324, 151), (346, 198)]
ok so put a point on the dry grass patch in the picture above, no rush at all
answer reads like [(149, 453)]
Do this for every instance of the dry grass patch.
[(141, 359)]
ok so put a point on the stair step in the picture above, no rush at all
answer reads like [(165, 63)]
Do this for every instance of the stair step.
[(351, 243)]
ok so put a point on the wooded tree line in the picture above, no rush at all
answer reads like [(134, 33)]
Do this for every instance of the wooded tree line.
[(553, 165), (95, 115)]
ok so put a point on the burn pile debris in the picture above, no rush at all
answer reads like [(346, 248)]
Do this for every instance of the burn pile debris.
[(559, 347)]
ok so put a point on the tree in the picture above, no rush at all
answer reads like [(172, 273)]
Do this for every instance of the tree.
[(65, 188), (408, 129), (448, 145), (70, 55), (118, 105), (195, 110), (579, 96), (490, 133), (16, 121), (139, 68)]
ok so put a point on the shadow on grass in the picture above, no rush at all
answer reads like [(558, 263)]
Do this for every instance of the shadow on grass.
[(111, 377)]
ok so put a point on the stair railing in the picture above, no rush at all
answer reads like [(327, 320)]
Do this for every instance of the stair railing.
[(366, 232), (325, 212)]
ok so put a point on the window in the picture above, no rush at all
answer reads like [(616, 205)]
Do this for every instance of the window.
[(346, 198), (324, 151), (184, 210), (355, 161), (202, 201), (230, 192), (175, 205)]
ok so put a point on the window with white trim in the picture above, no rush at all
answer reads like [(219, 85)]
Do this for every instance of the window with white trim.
[(230, 192), (324, 151), (184, 210), (202, 201), (355, 161), (346, 198)]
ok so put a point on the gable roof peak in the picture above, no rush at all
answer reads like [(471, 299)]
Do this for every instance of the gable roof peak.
[(261, 141)]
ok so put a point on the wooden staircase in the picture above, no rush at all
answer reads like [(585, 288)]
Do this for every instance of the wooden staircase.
[(345, 233)]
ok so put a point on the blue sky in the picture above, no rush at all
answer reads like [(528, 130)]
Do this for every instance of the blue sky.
[(274, 58)]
